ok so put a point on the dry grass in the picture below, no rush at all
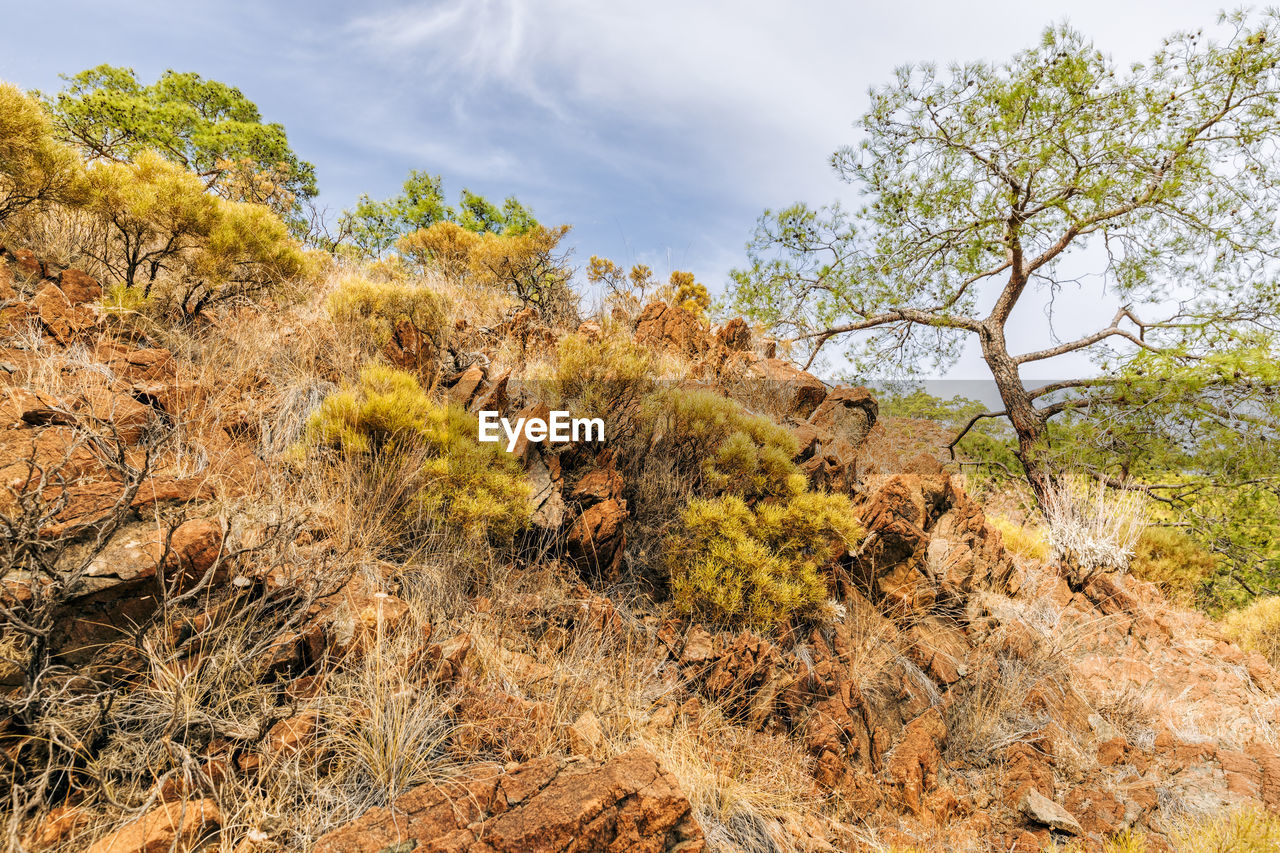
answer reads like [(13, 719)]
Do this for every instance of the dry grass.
[(1092, 526)]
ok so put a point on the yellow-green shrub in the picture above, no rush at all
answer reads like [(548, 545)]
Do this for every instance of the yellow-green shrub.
[(157, 217), (1257, 627), (604, 377), (372, 311), (734, 564), (1173, 561), (733, 451), (455, 481), (34, 168), (526, 264), (1027, 542)]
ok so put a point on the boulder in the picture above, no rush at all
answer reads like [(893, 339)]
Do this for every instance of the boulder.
[(847, 414), (168, 828), (670, 328), (801, 393), (1043, 810), (78, 286), (735, 335), (628, 803), (597, 537)]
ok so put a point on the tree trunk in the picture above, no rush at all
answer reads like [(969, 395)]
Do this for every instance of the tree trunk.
[(1028, 423)]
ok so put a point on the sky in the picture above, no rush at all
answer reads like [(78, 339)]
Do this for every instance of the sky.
[(660, 130)]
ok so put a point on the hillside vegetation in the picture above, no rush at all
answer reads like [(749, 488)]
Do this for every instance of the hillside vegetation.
[(263, 589)]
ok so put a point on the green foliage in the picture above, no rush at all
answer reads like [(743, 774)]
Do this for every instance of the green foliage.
[(35, 169), (374, 227), (157, 218), (1175, 562), (727, 449), (978, 180), (734, 564), (207, 127), (388, 422), (372, 310)]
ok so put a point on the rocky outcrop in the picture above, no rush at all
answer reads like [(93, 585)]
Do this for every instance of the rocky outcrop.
[(628, 803), (670, 328)]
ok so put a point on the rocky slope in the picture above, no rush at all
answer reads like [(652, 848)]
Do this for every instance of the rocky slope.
[(958, 697)]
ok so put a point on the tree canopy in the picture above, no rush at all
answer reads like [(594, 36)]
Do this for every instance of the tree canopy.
[(373, 227), (984, 182), (207, 127)]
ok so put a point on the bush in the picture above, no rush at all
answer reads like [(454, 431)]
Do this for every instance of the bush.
[(726, 448), (34, 168), (604, 377), (386, 317), (157, 218), (732, 564), (1021, 540), (1256, 628), (1092, 527), (525, 264), (454, 481), (1173, 561)]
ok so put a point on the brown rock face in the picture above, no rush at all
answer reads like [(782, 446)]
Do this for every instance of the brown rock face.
[(626, 804), (848, 414), (927, 542), (673, 329), (597, 537), (803, 392), (171, 827), (735, 335), (78, 287)]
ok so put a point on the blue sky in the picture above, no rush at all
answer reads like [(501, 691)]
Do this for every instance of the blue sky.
[(660, 130)]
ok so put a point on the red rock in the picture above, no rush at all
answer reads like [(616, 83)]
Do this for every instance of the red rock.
[(671, 328), (467, 386), (544, 806), (802, 392), (848, 414), (64, 320), (596, 539), (78, 287), (169, 828), (735, 335), (913, 764)]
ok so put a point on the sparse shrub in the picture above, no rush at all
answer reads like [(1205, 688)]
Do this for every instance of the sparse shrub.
[(604, 377), (627, 290), (451, 479), (525, 264), (385, 316), (1256, 627), (734, 564), (1173, 561), (34, 168), (1092, 527), (730, 450)]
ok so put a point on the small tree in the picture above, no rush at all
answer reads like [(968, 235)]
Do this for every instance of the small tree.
[(981, 180), (154, 212), (157, 218), (207, 127), (34, 168)]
